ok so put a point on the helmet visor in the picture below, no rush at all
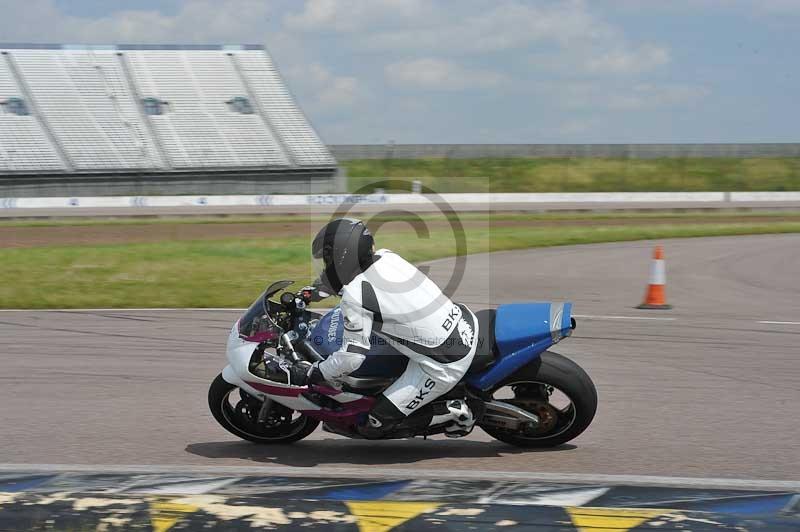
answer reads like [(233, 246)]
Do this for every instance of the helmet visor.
[(319, 266)]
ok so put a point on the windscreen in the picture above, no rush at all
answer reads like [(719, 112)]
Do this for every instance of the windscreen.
[(256, 325)]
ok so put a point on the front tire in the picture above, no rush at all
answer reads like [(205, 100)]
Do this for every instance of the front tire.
[(241, 419), (532, 387)]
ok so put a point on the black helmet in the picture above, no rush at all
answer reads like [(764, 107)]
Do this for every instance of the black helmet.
[(341, 250)]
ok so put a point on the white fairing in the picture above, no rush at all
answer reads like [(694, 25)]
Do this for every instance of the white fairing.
[(239, 352)]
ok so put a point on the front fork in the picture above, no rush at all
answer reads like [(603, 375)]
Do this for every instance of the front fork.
[(266, 406)]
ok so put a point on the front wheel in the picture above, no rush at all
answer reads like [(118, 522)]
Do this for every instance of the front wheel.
[(240, 416), (558, 391)]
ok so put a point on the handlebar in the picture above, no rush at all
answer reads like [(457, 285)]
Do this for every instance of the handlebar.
[(287, 340)]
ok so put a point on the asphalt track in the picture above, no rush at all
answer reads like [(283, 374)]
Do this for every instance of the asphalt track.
[(709, 389)]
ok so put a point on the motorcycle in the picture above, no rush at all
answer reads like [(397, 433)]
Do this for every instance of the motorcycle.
[(519, 392)]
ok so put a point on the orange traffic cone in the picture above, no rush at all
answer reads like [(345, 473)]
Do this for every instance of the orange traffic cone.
[(655, 298)]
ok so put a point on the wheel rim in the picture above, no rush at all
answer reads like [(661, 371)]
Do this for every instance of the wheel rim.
[(535, 397), (244, 419)]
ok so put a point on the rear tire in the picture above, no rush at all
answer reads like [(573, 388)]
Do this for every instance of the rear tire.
[(562, 373), (242, 425)]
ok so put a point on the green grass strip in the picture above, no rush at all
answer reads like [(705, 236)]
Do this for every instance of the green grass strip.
[(230, 273), (581, 174), (319, 220)]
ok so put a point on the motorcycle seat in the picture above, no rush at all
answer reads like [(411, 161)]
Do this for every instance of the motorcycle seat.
[(384, 361), (485, 355), (366, 385), (486, 352)]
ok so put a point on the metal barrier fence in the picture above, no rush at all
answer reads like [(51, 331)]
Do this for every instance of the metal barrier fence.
[(171, 183), (344, 152)]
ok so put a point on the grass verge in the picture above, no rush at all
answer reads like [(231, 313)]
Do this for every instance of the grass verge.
[(582, 174), (230, 273), (313, 221)]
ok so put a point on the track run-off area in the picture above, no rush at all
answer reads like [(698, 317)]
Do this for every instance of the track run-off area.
[(710, 389)]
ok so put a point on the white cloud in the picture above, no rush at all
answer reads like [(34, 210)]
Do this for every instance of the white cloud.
[(438, 74), (778, 6), (565, 66), (351, 15), (566, 35), (646, 95), (639, 96), (622, 61), (750, 5), (325, 92), (505, 25), (760, 8), (198, 21)]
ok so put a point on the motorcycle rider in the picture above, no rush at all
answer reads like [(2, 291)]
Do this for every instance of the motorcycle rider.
[(382, 293)]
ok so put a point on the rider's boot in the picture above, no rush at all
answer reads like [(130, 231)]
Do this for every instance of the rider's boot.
[(341, 431), (386, 420), (459, 419)]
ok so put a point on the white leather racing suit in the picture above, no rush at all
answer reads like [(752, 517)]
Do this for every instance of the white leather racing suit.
[(400, 305)]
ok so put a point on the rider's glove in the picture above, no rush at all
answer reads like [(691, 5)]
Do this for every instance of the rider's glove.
[(315, 376), (300, 373), (310, 294), (316, 291)]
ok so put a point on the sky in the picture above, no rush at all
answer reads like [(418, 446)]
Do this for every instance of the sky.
[(489, 71)]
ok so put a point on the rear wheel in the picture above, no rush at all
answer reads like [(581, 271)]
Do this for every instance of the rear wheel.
[(558, 391), (238, 412)]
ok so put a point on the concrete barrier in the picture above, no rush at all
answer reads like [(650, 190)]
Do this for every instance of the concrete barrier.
[(687, 198), (764, 196)]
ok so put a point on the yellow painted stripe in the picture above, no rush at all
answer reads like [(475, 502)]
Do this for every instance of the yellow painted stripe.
[(588, 519), (381, 516), (164, 514)]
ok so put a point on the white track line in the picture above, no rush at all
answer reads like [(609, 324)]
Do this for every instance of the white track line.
[(780, 322), (120, 309), (647, 318), (156, 309), (79, 310), (377, 472)]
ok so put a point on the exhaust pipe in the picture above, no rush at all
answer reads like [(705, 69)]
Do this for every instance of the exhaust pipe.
[(508, 416)]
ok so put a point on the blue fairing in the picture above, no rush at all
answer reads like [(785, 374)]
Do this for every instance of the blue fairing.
[(382, 360), (522, 332)]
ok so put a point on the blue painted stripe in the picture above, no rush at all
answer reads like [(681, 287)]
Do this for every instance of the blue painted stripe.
[(366, 492), (759, 505), (23, 483)]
